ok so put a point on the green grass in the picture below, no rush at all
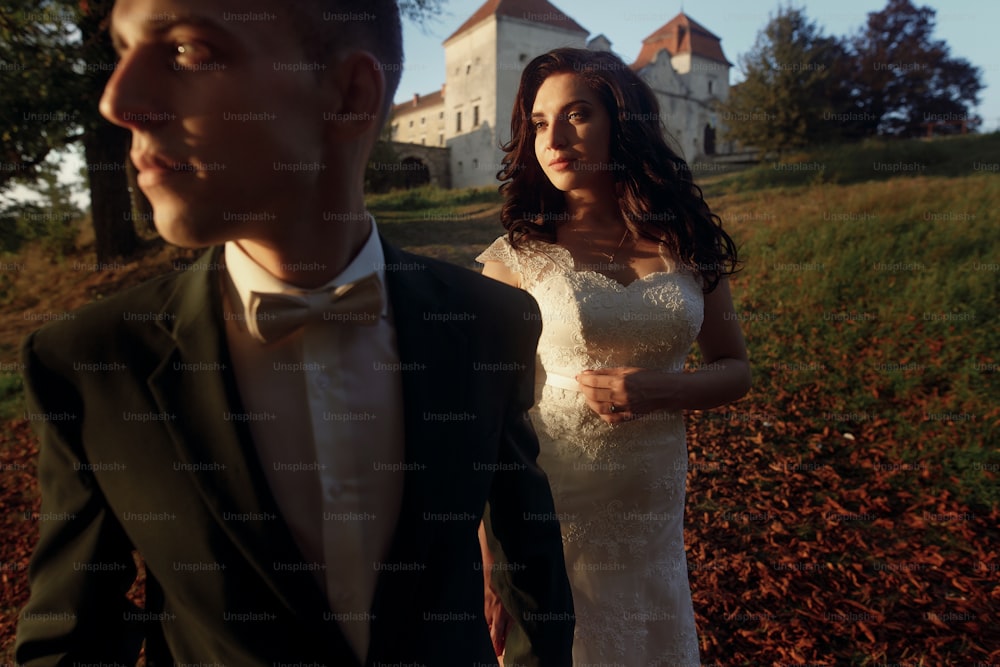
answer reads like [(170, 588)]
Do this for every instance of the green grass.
[(878, 301), (11, 396), (453, 225), (429, 198), (872, 160)]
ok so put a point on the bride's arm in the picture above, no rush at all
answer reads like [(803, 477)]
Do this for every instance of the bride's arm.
[(498, 271), (725, 374), (723, 378)]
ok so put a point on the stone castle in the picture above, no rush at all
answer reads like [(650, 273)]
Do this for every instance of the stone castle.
[(451, 136)]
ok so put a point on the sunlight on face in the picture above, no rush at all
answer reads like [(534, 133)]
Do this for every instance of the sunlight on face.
[(572, 134), (227, 135)]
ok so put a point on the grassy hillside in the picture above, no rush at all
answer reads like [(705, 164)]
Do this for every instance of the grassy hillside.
[(846, 511), (876, 304), (872, 160)]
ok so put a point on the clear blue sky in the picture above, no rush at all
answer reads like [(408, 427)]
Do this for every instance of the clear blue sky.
[(968, 26)]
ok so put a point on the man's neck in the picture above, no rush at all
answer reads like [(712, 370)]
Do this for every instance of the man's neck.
[(312, 255)]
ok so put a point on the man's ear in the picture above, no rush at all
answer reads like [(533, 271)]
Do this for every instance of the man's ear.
[(355, 94)]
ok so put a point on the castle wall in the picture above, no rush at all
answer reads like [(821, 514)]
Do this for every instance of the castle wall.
[(471, 103), (423, 125)]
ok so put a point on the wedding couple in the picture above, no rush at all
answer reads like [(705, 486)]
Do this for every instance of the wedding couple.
[(292, 437)]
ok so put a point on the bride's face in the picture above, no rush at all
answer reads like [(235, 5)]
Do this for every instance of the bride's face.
[(572, 134)]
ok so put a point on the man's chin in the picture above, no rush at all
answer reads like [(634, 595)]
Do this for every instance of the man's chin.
[(186, 232)]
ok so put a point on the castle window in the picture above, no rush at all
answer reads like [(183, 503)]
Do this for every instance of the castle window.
[(460, 166), (458, 121), (440, 140), (475, 163), (423, 140), (710, 82), (423, 120), (523, 57), (411, 122), (441, 116), (468, 68), (475, 116)]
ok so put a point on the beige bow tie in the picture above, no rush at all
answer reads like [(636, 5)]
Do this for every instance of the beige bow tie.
[(274, 316)]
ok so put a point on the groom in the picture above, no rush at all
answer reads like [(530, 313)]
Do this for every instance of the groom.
[(299, 433)]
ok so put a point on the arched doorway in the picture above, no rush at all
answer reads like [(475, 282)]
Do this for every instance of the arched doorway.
[(414, 173), (709, 139)]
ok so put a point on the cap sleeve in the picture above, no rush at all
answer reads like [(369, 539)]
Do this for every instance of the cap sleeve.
[(501, 251)]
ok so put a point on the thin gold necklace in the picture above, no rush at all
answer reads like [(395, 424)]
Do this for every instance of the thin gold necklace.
[(594, 248)]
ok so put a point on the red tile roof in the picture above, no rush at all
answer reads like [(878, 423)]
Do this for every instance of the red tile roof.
[(419, 102), (535, 11), (681, 35)]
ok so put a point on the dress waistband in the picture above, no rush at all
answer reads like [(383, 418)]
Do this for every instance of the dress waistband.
[(561, 381)]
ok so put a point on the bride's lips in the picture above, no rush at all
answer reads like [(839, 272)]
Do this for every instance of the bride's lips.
[(155, 169), (561, 163)]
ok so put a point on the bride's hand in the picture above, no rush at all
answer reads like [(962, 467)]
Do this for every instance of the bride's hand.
[(498, 619), (617, 394)]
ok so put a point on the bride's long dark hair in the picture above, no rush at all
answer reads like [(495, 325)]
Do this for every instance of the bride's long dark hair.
[(657, 197)]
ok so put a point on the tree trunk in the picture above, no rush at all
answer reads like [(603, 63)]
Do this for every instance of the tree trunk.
[(106, 149), (142, 210)]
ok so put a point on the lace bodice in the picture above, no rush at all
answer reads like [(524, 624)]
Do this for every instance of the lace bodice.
[(592, 321)]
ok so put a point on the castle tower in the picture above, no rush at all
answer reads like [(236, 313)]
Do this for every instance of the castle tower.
[(483, 63), (684, 64)]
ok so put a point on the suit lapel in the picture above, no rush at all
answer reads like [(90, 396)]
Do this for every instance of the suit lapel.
[(206, 434)]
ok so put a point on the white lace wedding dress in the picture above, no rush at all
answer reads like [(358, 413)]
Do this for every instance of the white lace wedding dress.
[(619, 490)]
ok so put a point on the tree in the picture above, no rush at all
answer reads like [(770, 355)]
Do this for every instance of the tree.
[(420, 10), (53, 219), (41, 90), (905, 78), (106, 146), (793, 87), (56, 58), (380, 175)]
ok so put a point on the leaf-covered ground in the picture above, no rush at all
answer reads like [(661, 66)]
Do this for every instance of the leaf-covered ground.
[(792, 558), (798, 554)]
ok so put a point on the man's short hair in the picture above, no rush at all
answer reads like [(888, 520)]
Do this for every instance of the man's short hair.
[(331, 27)]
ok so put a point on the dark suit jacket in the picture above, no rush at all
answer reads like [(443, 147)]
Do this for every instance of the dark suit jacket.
[(134, 401)]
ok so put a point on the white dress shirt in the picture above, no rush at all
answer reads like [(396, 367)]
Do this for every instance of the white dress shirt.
[(325, 409)]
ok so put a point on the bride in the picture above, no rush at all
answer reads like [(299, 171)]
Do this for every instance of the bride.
[(607, 231)]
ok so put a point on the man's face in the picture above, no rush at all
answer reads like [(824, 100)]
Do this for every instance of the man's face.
[(226, 114)]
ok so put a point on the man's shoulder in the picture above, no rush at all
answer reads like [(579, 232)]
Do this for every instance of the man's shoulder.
[(482, 302), (107, 321), (459, 279)]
